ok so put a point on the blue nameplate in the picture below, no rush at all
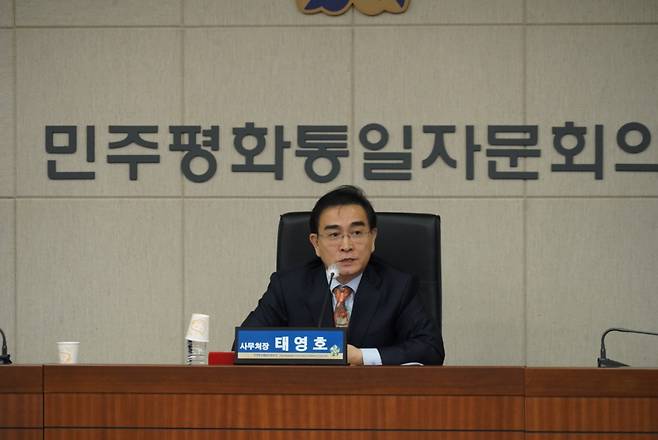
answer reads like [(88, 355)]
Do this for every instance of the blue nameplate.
[(290, 345)]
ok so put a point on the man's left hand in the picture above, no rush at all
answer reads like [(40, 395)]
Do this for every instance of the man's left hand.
[(354, 355)]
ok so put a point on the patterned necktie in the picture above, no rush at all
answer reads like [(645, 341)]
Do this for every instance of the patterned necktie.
[(341, 317)]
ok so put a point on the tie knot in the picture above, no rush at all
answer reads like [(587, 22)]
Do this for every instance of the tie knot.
[(341, 293)]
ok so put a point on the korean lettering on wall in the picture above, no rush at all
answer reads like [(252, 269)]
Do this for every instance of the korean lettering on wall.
[(504, 149)]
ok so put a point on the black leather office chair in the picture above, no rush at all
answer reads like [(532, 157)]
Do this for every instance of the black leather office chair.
[(408, 242)]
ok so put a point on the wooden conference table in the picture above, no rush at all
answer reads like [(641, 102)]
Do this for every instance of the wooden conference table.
[(121, 402)]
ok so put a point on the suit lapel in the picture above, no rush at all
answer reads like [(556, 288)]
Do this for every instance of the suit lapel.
[(365, 305), (318, 292)]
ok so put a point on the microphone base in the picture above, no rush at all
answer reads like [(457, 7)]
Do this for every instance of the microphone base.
[(5, 359), (609, 363)]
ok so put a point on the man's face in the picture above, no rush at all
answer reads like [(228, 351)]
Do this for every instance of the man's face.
[(344, 238)]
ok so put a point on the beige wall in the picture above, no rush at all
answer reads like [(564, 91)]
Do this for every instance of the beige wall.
[(533, 271)]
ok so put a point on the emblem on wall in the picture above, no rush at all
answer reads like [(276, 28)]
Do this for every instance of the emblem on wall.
[(338, 7)]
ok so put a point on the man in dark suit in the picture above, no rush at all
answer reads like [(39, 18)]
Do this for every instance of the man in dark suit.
[(378, 304)]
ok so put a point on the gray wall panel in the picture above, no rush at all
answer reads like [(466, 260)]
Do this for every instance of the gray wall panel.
[(591, 265), (7, 285), (593, 75), (592, 11), (98, 77), (451, 12), (230, 251), (483, 300), (6, 13), (100, 272), (268, 76), (97, 12), (438, 76), (254, 13), (7, 140)]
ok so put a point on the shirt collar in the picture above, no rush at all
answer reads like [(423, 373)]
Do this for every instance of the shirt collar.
[(353, 284)]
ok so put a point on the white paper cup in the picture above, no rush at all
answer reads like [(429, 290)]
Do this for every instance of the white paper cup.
[(68, 352), (198, 330)]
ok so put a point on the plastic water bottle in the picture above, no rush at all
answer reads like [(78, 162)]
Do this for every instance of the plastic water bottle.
[(197, 354)]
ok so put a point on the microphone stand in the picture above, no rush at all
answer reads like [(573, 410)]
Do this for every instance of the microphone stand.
[(5, 357), (332, 271), (603, 361)]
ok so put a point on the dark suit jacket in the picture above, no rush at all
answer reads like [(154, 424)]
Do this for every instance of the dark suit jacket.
[(386, 314)]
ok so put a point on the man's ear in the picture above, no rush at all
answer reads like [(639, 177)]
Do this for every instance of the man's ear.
[(313, 238), (374, 237)]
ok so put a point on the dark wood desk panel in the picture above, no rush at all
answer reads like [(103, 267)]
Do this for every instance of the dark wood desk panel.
[(588, 414), (584, 436), (589, 400), (591, 382), (285, 398), (175, 434), (21, 379), (21, 397), (121, 402), (21, 434), (284, 411), (243, 379), (21, 410)]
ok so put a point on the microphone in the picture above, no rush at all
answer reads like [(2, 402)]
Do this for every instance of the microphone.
[(332, 271), (4, 358), (603, 361)]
